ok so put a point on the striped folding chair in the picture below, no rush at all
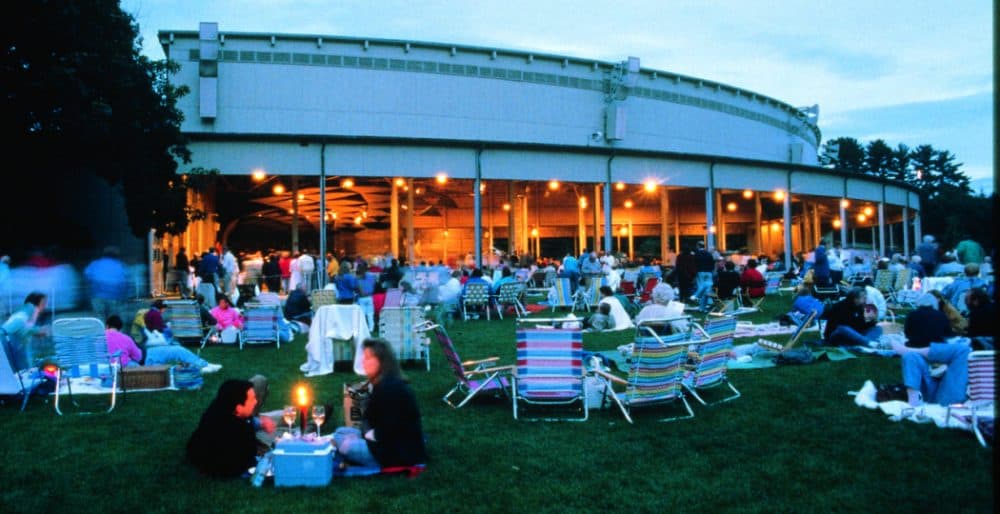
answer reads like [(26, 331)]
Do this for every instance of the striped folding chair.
[(510, 295), (656, 370), (82, 351), (268, 298), (473, 377), (563, 296), (801, 327), (261, 324), (400, 327), (393, 298), (549, 368), (772, 283), (710, 358), (901, 283), (648, 283), (321, 297), (982, 392), (476, 296), (884, 280), (185, 321)]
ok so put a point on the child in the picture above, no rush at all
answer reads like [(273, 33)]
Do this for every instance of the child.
[(602, 320)]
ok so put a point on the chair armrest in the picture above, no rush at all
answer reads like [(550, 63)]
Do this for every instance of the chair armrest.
[(609, 376), (508, 369), (480, 361)]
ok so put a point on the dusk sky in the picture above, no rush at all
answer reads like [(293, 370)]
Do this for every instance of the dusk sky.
[(910, 72)]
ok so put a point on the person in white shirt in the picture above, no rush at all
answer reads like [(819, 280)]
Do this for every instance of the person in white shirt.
[(232, 272), (307, 267)]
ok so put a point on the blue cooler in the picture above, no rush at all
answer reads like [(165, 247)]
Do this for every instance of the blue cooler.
[(299, 462)]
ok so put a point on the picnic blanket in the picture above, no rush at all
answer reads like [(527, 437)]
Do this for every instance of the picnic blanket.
[(898, 410), (749, 329), (91, 385)]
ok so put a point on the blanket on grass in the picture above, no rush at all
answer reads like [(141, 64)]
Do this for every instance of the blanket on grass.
[(898, 410), (87, 385)]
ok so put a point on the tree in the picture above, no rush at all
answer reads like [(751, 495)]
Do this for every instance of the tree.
[(899, 167), (79, 98), (843, 153), (878, 158), (922, 160)]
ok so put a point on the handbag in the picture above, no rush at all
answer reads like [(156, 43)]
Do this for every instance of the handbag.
[(891, 392)]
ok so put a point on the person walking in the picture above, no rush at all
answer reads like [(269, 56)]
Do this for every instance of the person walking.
[(108, 281)]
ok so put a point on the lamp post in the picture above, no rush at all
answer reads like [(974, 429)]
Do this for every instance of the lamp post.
[(631, 247)]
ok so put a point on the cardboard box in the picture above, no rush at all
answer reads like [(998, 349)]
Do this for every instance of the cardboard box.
[(298, 462)]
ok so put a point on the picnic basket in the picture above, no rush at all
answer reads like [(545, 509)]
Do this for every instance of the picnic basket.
[(145, 377)]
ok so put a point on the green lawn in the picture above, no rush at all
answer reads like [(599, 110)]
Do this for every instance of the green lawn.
[(795, 442)]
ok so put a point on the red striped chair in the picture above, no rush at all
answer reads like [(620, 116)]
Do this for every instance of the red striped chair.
[(549, 368)]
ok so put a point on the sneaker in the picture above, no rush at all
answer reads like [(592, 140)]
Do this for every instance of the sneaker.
[(211, 368)]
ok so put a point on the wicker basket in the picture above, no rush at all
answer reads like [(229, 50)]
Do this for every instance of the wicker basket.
[(145, 377)]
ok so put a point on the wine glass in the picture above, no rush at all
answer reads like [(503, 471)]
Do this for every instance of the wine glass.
[(319, 416), (288, 414)]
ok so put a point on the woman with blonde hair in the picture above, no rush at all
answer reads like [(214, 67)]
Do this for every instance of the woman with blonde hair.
[(957, 322)]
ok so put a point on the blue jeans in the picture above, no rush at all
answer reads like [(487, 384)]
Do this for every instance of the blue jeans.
[(704, 281), (847, 336), (166, 354), (353, 446), (950, 388)]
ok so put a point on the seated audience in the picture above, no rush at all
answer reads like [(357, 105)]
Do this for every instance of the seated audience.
[(916, 269), (153, 319), (956, 321), (728, 281), (876, 299), (298, 307), (752, 281), (391, 433), (847, 324), (131, 355), (506, 277), (982, 321), (955, 291), (663, 306), (949, 266), (346, 284), (621, 318), (926, 330), (225, 443), (226, 315), (601, 320), (806, 303)]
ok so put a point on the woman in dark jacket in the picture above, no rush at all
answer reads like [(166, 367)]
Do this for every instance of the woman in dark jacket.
[(847, 324), (224, 444), (391, 434), (271, 270)]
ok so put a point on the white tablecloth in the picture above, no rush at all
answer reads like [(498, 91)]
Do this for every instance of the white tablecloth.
[(334, 322), (935, 283)]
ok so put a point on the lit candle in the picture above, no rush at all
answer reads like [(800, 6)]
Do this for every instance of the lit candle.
[(302, 399)]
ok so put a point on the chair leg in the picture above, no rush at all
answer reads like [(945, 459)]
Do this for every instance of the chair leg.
[(686, 406)]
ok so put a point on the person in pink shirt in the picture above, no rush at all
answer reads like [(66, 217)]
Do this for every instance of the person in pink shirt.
[(225, 315), (131, 355)]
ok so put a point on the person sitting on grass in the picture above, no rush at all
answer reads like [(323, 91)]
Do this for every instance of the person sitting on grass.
[(848, 325), (956, 321), (926, 331), (601, 320), (805, 303), (297, 305), (391, 433), (982, 318), (131, 355), (621, 318), (225, 443)]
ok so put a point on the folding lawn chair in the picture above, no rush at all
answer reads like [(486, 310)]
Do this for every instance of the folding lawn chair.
[(563, 294), (901, 283), (82, 351), (647, 289), (185, 321), (393, 298), (781, 348), (982, 390), (321, 297), (510, 295), (16, 382), (549, 368), (474, 377), (710, 358), (247, 292), (268, 298), (402, 328), (656, 370), (476, 296), (772, 283), (261, 325), (884, 279)]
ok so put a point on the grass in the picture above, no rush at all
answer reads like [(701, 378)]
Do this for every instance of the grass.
[(794, 442)]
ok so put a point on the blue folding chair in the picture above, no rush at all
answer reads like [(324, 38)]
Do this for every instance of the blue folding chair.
[(82, 351)]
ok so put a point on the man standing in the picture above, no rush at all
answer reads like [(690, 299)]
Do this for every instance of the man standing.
[(232, 270), (208, 268), (307, 267), (928, 251), (108, 282), (969, 252), (705, 265)]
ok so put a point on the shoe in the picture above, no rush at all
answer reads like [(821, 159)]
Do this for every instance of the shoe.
[(937, 371), (211, 368)]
